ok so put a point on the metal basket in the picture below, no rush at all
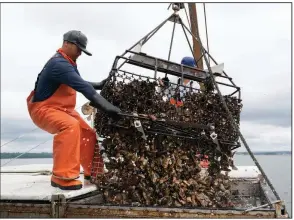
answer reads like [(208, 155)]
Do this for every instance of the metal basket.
[(171, 101)]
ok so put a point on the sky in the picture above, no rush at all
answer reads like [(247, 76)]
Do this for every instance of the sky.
[(252, 40)]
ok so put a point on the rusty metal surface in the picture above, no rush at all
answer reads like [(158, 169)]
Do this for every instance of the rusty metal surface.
[(58, 202), (91, 207), (91, 211), (24, 210), (9, 210)]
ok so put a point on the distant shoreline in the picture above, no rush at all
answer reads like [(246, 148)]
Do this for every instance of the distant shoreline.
[(49, 155), (266, 153)]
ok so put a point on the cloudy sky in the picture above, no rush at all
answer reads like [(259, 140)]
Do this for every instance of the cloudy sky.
[(252, 40)]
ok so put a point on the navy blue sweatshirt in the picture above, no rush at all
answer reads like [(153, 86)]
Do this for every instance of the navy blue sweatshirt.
[(57, 71)]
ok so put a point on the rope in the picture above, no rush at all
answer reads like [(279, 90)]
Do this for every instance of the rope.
[(22, 135), (232, 121), (24, 153), (28, 150), (206, 32), (42, 172), (171, 41), (187, 16)]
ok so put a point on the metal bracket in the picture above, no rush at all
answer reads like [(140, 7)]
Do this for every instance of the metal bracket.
[(280, 209), (213, 136), (278, 204), (176, 6), (58, 206), (257, 207), (175, 19), (138, 126)]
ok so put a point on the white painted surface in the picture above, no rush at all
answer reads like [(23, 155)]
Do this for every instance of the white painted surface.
[(34, 186), (245, 172), (30, 167), (217, 68), (37, 186)]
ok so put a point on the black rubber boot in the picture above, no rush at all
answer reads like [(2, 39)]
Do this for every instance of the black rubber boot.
[(73, 187), (87, 177)]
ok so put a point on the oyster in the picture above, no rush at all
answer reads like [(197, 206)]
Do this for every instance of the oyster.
[(165, 170)]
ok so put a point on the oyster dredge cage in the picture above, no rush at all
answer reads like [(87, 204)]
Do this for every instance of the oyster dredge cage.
[(167, 68)]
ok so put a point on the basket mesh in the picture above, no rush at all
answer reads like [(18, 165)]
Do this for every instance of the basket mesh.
[(145, 95)]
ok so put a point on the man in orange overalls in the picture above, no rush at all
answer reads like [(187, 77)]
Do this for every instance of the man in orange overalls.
[(51, 106)]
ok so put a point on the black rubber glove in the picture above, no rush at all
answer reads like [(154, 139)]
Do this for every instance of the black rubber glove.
[(98, 85), (165, 81), (101, 103)]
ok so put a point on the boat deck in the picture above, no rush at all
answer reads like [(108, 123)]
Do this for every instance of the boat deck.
[(32, 182), (26, 192)]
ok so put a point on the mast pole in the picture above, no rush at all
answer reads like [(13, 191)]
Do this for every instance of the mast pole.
[(195, 30)]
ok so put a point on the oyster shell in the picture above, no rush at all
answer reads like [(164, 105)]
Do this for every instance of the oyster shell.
[(165, 170)]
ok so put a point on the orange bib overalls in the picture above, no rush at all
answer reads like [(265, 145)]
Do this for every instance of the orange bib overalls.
[(74, 139)]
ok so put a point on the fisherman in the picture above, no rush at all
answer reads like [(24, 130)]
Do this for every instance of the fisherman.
[(189, 61), (179, 91), (51, 106)]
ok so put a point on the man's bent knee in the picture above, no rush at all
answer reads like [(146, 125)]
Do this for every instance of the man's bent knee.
[(72, 124)]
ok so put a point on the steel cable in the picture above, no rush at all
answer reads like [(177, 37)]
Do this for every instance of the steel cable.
[(22, 135), (28, 151)]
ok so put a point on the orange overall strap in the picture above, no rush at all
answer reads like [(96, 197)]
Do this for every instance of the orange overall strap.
[(66, 57)]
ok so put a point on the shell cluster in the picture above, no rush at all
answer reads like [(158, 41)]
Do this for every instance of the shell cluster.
[(164, 170)]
